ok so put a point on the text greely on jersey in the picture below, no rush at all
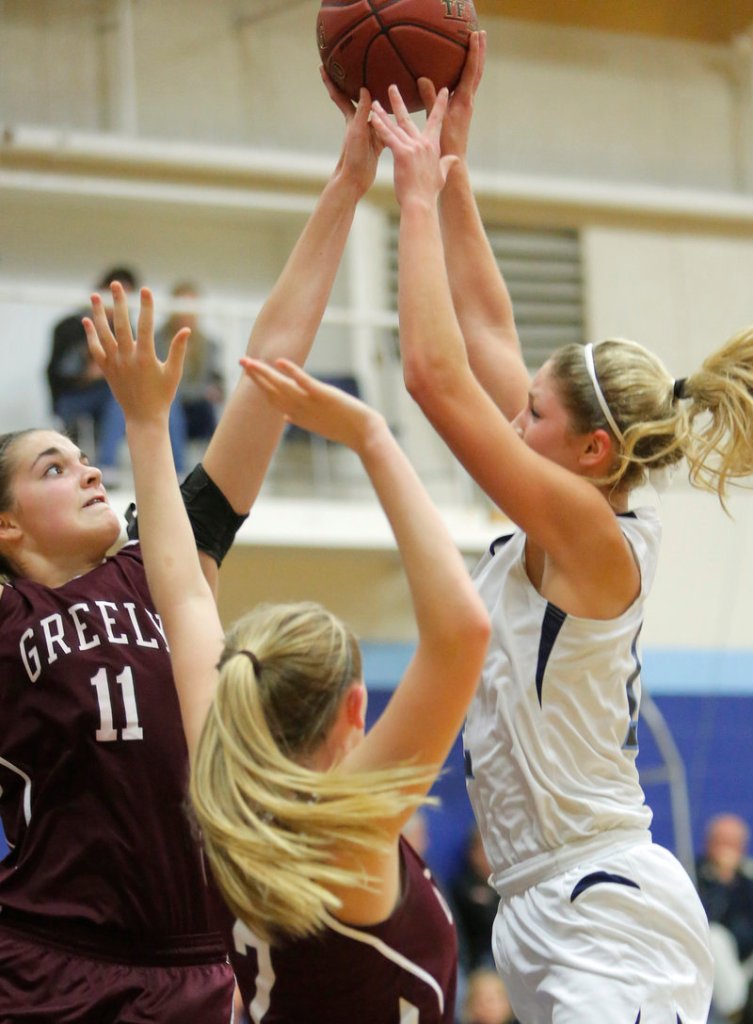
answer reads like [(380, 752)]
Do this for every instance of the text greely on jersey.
[(84, 628)]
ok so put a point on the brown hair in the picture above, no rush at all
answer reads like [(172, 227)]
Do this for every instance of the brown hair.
[(7, 498)]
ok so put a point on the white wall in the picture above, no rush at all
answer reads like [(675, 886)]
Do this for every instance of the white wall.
[(683, 295), (555, 101), (556, 105)]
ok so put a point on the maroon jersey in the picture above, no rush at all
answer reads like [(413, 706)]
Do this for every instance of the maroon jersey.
[(402, 971), (93, 760)]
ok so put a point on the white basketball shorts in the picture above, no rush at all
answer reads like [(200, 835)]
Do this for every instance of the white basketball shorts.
[(621, 938)]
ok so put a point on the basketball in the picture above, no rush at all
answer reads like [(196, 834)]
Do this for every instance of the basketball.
[(378, 43)]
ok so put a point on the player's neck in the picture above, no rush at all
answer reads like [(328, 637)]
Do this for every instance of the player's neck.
[(59, 571)]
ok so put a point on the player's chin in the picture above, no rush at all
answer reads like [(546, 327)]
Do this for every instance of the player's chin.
[(102, 520), (99, 510)]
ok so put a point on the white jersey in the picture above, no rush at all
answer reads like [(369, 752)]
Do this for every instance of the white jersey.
[(551, 735)]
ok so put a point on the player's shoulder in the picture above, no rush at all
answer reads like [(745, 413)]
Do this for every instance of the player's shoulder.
[(130, 550), (644, 518), (496, 547), (126, 562), (123, 561), (642, 527)]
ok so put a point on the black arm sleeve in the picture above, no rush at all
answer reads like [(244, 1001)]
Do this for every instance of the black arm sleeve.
[(213, 519)]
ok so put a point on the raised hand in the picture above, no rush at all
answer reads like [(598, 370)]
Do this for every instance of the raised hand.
[(310, 404), (420, 169), (361, 147), (457, 121), (143, 385)]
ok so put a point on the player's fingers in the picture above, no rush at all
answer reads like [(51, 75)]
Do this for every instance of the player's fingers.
[(399, 109), (363, 107), (382, 124), (446, 164), (470, 74), (377, 143), (92, 340), (362, 113), (482, 41), (268, 379), (427, 92), (145, 324), (176, 354), (338, 97), (436, 117), (262, 381), (172, 368), (296, 374), (120, 319), (102, 325)]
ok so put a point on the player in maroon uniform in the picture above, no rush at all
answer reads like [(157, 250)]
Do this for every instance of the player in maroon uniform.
[(103, 908), (334, 917)]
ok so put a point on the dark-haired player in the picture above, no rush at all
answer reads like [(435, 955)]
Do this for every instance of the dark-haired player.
[(104, 914)]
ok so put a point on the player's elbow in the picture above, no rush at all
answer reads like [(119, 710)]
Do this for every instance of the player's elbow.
[(468, 640), (427, 382), (478, 631)]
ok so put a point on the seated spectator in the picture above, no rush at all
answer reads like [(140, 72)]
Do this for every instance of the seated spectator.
[(78, 390), (202, 388), (725, 885), (486, 1000), (475, 905)]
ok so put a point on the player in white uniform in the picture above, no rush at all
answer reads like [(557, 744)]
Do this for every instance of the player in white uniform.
[(596, 924)]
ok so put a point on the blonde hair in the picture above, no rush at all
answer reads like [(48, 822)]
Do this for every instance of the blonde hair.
[(709, 422), (271, 826)]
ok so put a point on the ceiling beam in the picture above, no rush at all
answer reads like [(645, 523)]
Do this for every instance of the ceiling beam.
[(700, 20)]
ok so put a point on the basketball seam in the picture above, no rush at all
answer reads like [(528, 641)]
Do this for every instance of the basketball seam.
[(384, 30)]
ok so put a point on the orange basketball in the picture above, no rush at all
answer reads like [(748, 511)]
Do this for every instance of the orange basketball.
[(378, 43)]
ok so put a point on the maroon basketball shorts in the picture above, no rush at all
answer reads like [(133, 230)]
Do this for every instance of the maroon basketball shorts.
[(43, 982)]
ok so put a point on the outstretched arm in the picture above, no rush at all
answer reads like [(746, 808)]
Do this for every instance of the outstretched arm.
[(479, 292), (550, 503), (425, 714), (145, 387), (250, 427)]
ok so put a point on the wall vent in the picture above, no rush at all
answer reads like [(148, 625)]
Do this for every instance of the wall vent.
[(544, 273)]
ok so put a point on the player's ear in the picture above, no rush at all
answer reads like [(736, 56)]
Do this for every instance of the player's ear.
[(355, 705), (11, 535), (9, 528), (598, 452)]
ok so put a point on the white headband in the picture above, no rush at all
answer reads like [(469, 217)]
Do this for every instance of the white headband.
[(588, 352)]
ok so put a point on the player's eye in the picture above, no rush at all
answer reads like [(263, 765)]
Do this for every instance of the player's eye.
[(54, 469)]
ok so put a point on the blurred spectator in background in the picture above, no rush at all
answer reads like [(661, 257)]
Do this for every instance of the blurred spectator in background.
[(202, 387), (81, 397), (725, 885), (475, 905), (486, 1000)]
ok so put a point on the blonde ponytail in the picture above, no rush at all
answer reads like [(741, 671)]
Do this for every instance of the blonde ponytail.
[(720, 416), (707, 418), (273, 828)]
